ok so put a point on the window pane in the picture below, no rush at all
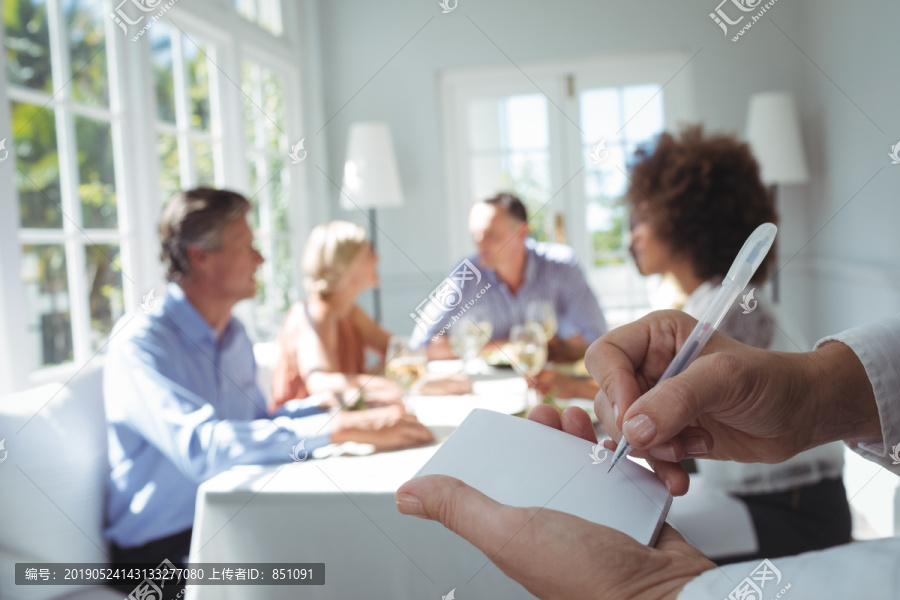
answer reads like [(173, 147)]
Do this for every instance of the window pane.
[(247, 9), (270, 15), (601, 114), (273, 109), (268, 114), (47, 315), (605, 181), (97, 172), (37, 176), (204, 172), (265, 13), (487, 173), (249, 82), (527, 174), (169, 174), (107, 301), (253, 195), (198, 84), (526, 122), (643, 105), (27, 44), (87, 43), (163, 77), (281, 200), (606, 225), (284, 290), (484, 126)]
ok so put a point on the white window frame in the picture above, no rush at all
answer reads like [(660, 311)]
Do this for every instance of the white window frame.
[(458, 87), (71, 235)]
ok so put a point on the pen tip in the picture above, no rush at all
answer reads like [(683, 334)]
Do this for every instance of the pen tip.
[(611, 465)]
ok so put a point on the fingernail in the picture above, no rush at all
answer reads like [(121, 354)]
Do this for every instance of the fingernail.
[(695, 446), (639, 430), (616, 412), (410, 505), (666, 453)]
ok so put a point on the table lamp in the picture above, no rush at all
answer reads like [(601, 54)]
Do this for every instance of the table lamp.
[(371, 179), (773, 132)]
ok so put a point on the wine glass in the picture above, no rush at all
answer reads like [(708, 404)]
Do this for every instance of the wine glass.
[(468, 337), (543, 312), (404, 366), (529, 345)]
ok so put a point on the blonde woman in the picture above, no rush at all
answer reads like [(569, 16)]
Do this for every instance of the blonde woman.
[(324, 339)]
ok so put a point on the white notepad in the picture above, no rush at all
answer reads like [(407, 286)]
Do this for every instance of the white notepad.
[(522, 463)]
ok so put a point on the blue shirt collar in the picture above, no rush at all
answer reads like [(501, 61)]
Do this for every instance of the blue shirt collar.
[(177, 307), (531, 264)]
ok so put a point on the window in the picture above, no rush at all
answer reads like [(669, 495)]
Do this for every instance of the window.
[(615, 121), (102, 129), (62, 127), (539, 136), (267, 148), (509, 149), (185, 119)]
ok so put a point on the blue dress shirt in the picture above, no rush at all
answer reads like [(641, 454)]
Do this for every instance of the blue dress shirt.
[(183, 406), (551, 274)]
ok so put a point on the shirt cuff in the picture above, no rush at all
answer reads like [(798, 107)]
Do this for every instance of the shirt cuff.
[(313, 431), (876, 346), (868, 571), (303, 407)]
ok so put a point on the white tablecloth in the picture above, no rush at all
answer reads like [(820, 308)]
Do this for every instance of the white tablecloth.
[(340, 511)]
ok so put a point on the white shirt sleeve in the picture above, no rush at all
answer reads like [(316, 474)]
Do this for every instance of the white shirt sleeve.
[(878, 348), (860, 570)]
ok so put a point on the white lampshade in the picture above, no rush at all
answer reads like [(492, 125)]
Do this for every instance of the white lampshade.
[(371, 179), (773, 131)]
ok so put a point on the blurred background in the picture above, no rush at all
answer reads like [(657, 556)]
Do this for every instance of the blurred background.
[(104, 118)]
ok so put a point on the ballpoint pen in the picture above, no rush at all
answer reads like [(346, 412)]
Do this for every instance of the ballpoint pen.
[(742, 269)]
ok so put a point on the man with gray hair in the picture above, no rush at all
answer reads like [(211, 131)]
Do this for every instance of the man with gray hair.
[(180, 388)]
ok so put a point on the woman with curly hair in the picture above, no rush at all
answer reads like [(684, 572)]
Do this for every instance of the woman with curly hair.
[(694, 199)]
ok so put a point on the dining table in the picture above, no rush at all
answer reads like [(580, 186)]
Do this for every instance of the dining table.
[(336, 509)]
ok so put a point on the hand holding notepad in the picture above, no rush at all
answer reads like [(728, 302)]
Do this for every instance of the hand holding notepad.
[(522, 463), (532, 487)]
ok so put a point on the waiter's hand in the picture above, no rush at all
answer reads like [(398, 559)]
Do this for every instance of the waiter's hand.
[(553, 554), (734, 402)]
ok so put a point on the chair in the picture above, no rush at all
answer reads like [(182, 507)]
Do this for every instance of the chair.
[(54, 480)]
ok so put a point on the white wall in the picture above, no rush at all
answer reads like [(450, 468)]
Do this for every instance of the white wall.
[(855, 260), (359, 37)]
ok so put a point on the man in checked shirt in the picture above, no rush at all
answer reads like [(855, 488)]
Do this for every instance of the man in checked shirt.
[(521, 273)]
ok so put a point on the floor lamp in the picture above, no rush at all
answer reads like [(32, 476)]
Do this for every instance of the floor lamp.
[(773, 132), (371, 180)]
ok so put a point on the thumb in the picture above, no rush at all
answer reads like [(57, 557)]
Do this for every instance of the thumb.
[(484, 522), (674, 404)]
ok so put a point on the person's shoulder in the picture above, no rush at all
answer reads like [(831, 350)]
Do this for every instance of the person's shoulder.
[(144, 331), (752, 321), (554, 252)]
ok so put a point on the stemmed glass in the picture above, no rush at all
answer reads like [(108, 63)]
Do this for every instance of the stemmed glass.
[(529, 345), (542, 312), (405, 366), (468, 337)]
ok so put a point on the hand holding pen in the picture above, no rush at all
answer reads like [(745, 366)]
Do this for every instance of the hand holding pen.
[(745, 265)]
